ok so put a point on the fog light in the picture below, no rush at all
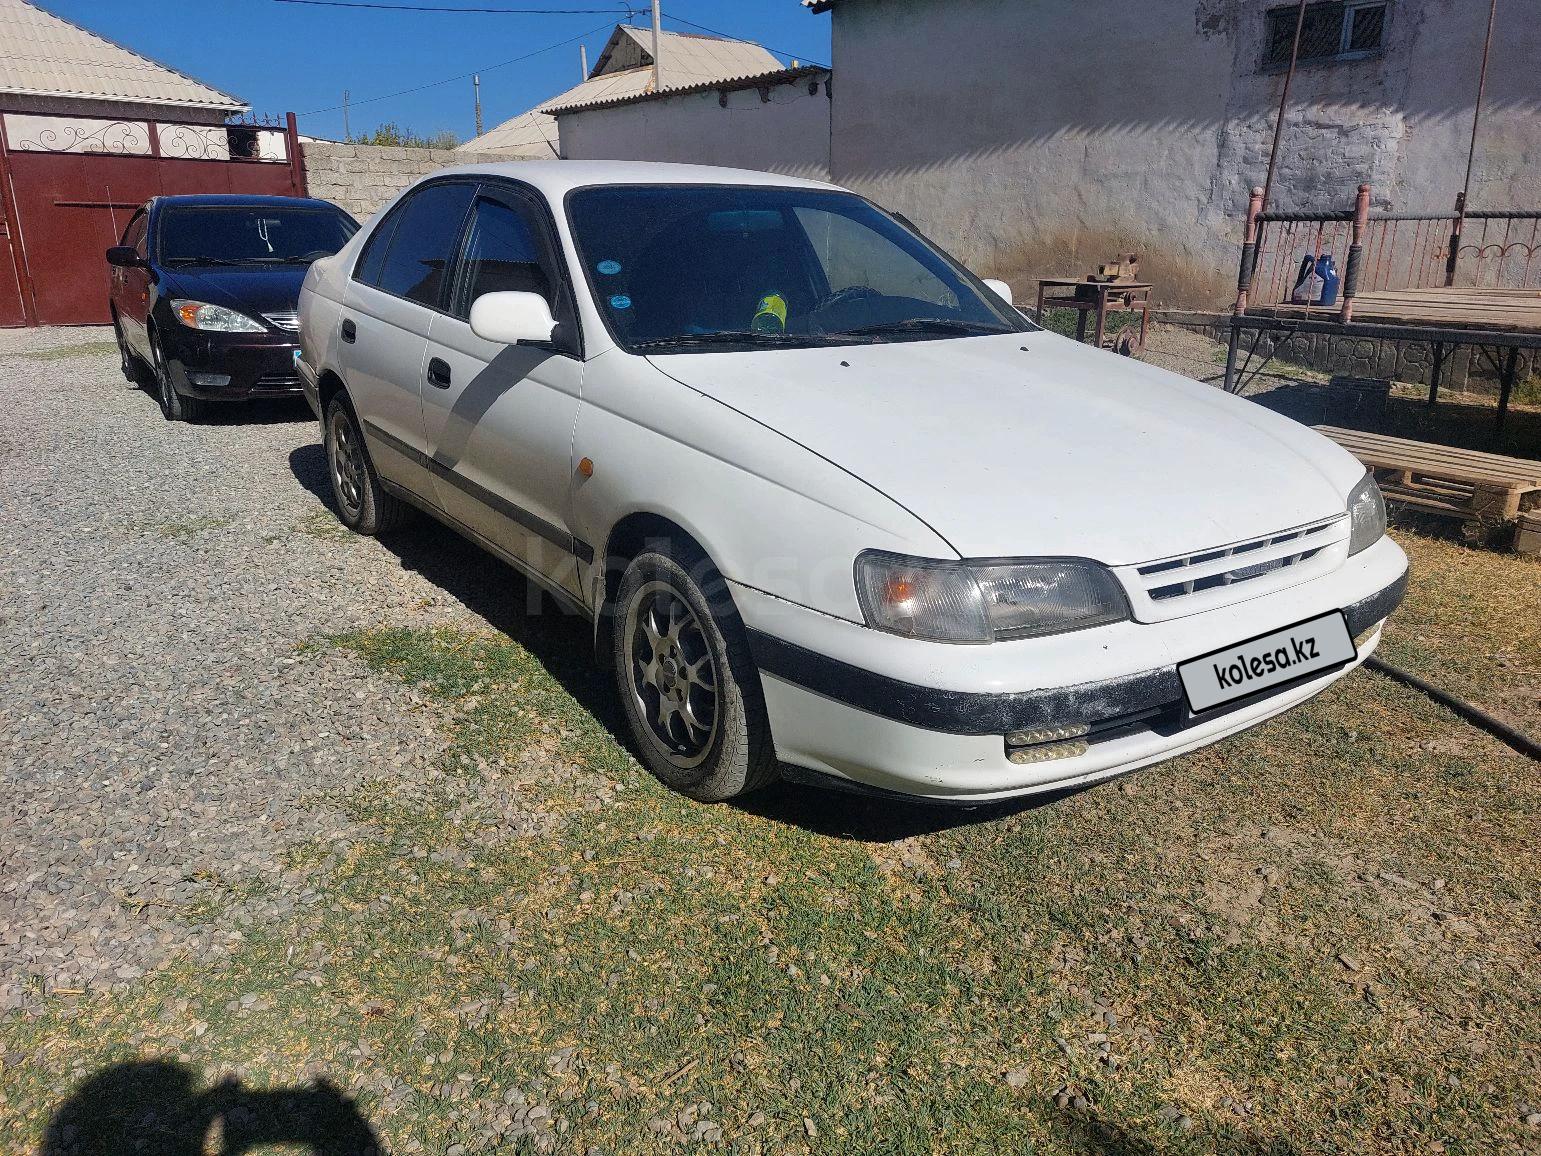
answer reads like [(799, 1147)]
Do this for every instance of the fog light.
[(1046, 735), (1047, 752), (209, 380)]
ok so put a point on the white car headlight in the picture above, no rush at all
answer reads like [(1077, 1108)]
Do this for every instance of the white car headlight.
[(985, 601), (218, 319), (1367, 515)]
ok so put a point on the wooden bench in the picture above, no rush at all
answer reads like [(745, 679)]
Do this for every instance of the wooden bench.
[(1486, 489)]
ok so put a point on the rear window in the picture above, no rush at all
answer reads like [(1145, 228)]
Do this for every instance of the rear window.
[(258, 234), (426, 228)]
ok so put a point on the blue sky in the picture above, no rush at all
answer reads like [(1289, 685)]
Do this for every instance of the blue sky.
[(282, 57)]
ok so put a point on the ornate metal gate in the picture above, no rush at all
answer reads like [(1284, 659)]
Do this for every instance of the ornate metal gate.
[(69, 184)]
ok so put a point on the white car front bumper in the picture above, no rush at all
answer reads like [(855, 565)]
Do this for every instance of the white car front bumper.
[(929, 719)]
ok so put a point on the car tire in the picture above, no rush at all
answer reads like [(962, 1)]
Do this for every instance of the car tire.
[(174, 407), (362, 503), (688, 685)]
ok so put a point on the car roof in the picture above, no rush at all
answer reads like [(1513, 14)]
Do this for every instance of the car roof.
[(557, 178), (240, 199)]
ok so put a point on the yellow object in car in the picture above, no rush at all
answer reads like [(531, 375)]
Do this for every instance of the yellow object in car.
[(771, 316)]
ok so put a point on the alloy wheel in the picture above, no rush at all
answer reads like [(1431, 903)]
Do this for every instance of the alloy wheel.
[(673, 674), (347, 464)]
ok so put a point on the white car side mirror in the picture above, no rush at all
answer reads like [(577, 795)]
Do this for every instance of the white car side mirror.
[(511, 318), (1000, 289)]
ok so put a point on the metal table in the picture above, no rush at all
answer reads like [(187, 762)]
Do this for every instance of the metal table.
[(1097, 297)]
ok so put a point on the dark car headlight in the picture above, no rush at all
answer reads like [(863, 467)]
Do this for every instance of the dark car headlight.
[(214, 318)]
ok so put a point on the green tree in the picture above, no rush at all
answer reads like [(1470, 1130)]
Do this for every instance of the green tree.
[(391, 133)]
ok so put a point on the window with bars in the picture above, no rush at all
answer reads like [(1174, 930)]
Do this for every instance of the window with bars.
[(1335, 30)]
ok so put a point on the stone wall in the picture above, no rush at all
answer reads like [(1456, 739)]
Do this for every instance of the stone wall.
[(361, 178)]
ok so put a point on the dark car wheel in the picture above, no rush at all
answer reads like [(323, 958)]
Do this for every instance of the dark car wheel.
[(363, 505), (127, 362), (688, 685), (174, 407)]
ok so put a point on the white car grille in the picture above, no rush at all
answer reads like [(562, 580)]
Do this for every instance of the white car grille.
[(1190, 583), (287, 320)]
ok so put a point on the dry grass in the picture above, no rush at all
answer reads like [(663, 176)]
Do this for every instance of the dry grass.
[(1472, 625)]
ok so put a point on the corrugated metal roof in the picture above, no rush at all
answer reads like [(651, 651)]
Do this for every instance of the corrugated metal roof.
[(725, 83), (43, 55), (688, 61), (529, 135)]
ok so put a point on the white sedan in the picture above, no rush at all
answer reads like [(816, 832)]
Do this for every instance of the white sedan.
[(836, 510)]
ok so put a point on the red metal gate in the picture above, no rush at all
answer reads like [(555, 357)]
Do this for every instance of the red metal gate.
[(69, 184)]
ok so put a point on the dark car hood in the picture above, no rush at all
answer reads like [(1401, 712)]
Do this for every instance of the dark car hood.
[(252, 289)]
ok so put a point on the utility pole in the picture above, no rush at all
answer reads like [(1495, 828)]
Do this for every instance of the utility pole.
[(657, 63), (583, 60), (347, 135), (476, 83)]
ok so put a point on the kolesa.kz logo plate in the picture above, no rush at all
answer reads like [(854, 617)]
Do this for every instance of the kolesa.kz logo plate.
[(1311, 647)]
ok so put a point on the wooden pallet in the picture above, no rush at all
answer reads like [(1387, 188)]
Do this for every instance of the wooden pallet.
[(1466, 484)]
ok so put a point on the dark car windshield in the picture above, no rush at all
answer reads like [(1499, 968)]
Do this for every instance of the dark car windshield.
[(702, 267), (241, 234)]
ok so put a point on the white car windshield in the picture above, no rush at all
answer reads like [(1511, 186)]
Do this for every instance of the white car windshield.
[(676, 268)]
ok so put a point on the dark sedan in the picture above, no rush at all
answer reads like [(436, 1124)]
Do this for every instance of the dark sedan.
[(204, 293)]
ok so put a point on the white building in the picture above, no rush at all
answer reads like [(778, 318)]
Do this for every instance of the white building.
[(624, 69)]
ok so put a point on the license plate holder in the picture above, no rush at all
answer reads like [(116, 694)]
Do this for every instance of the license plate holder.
[(1267, 661)]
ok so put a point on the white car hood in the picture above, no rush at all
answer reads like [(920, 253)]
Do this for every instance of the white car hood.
[(1059, 450)]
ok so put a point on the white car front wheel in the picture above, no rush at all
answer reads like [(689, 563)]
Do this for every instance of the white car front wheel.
[(687, 683)]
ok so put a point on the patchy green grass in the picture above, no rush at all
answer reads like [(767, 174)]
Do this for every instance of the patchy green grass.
[(193, 527), (1318, 937), (1063, 321), (323, 524), (79, 349)]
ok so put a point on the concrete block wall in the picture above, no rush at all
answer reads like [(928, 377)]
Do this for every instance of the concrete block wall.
[(361, 178)]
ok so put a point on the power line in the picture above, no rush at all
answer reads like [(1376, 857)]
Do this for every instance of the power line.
[(627, 8), (463, 75)]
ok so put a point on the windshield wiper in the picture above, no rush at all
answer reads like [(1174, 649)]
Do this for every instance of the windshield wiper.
[(730, 337), (222, 260), (925, 325)]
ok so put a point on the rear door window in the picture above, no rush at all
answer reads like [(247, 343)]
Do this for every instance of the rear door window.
[(422, 245)]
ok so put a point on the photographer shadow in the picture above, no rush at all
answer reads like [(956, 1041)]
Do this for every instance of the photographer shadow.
[(157, 1106)]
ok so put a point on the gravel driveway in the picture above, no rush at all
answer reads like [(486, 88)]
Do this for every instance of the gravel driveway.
[(166, 738)]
